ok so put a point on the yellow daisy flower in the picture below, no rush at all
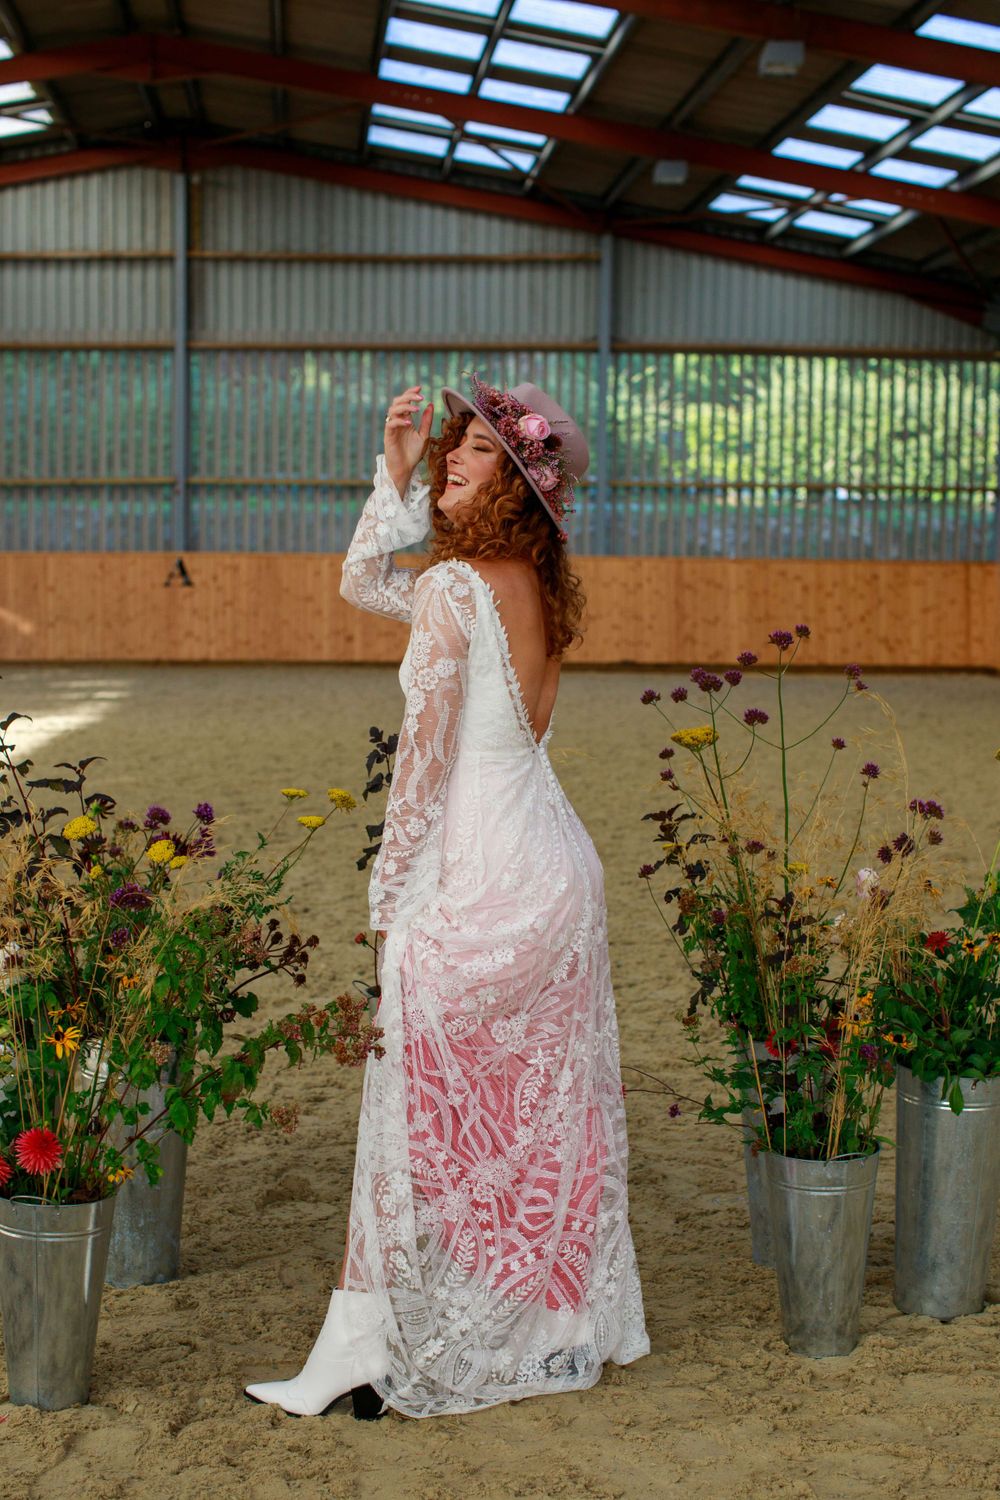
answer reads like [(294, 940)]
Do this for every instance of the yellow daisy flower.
[(65, 1039), (120, 1175), (291, 792), (79, 828), (698, 738), (342, 801), (162, 851), (311, 820)]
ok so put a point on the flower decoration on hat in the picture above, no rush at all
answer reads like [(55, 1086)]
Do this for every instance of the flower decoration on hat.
[(530, 438)]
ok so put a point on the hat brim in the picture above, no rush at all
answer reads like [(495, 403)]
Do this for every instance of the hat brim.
[(457, 405)]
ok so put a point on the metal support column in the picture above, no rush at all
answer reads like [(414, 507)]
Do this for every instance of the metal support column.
[(182, 538), (604, 532)]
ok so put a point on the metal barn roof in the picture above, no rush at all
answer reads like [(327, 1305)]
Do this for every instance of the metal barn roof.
[(852, 139)]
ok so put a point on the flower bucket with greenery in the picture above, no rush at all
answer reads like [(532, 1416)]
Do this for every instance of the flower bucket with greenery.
[(758, 884), (126, 944), (941, 998)]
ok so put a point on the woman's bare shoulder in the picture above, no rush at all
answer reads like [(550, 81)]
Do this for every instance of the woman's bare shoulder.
[(511, 576)]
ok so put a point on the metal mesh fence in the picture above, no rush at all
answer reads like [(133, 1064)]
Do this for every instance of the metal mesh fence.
[(711, 453)]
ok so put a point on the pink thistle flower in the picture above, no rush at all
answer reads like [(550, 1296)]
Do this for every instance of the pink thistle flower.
[(38, 1151)]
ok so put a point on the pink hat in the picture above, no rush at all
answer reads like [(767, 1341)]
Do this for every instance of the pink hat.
[(542, 439)]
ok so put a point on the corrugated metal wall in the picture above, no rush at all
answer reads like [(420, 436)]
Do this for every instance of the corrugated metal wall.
[(719, 451)]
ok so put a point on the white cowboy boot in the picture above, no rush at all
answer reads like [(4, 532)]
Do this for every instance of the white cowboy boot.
[(349, 1353)]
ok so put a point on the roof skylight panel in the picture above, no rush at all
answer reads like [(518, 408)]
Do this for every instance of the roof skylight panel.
[(485, 8), (482, 156), (970, 145), (904, 83), (526, 57), (408, 140), (15, 125), (922, 174), (505, 133), (43, 116), (817, 152), (770, 185), (594, 21), (428, 78), (966, 33), (767, 215), (836, 224), (5, 50), (16, 93), (843, 120), (873, 206), (738, 203), (440, 41), (987, 104), (410, 116), (527, 95)]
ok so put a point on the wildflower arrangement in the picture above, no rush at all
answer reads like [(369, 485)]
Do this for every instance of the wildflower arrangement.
[(530, 438), (786, 940), (941, 995), (131, 946)]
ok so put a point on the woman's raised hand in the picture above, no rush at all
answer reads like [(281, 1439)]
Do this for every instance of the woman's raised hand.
[(405, 443)]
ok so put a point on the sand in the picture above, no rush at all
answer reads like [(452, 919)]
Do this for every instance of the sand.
[(719, 1408)]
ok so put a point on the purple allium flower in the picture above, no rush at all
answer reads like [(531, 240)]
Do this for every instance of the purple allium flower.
[(859, 686), (707, 681), (667, 774), (928, 809), (127, 825), (650, 695), (118, 937), (852, 670), (781, 638), (717, 917), (733, 677), (870, 770), (114, 851), (838, 743), (903, 844), (754, 846), (803, 632), (755, 716), (679, 694), (205, 812), (747, 659), (674, 1111), (885, 854), (868, 1052), (156, 817), (668, 752), (645, 871), (935, 836), (130, 897)]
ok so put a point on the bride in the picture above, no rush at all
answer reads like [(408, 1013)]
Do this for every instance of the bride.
[(489, 1255)]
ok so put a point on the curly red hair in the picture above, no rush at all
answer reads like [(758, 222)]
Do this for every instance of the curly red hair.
[(509, 522)]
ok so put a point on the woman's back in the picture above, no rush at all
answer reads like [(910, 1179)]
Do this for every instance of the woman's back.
[(518, 602)]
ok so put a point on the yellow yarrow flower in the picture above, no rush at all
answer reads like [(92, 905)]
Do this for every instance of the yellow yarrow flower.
[(342, 801), (311, 820), (79, 828), (65, 1039), (95, 870), (162, 851), (291, 792), (698, 738), (178, 860)]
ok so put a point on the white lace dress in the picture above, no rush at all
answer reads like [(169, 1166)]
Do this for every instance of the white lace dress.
[(489, 1217)]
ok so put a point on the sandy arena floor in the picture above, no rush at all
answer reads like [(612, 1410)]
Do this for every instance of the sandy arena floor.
[(719, 1410)]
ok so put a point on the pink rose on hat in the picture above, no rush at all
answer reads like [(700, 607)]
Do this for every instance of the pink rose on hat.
[(534, 425), (546, 479)]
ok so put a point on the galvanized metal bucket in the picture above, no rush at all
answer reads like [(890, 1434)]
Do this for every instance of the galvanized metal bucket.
[(761, 1248), (146, 1239), (52, 1259), (947, 1184), (821, 1217)]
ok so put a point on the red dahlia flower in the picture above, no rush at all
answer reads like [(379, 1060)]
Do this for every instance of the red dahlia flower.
[(937, 942), (6, 1171), (38, 1151)]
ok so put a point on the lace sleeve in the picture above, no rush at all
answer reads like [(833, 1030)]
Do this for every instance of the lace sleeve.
[(405, 876), (370, 578)]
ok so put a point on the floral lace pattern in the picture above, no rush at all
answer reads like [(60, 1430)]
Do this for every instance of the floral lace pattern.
[(489, 1217)]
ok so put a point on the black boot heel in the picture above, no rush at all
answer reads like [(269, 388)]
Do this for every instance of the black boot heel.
[(367, 1403)]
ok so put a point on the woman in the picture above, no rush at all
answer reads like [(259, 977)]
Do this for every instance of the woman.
[(488, 1254)]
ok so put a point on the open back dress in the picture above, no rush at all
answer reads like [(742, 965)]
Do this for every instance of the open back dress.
[(489, 1215)]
